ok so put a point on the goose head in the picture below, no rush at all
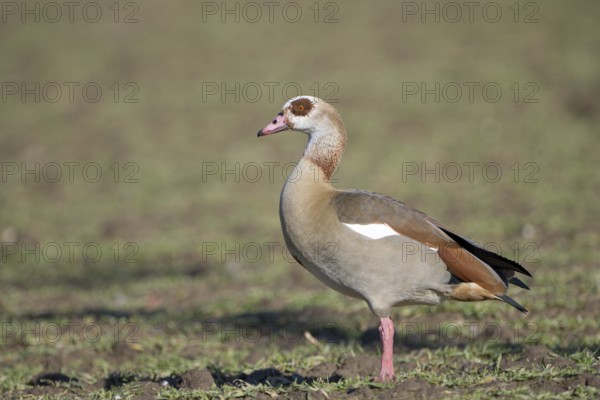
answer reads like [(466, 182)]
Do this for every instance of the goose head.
[(323, 125), (307, 114)]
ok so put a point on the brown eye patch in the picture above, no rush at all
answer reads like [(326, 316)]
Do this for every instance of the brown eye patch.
[(301, 107)]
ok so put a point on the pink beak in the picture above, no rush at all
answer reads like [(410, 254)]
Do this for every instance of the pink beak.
[(277, 125)]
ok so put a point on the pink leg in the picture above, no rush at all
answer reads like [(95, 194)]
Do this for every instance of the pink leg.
[(386, 332)]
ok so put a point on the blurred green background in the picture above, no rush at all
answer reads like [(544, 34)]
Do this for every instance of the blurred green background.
[(181, 138), (161, 121)]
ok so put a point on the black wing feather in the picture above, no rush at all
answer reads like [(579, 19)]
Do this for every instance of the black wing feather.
[(492, 259)]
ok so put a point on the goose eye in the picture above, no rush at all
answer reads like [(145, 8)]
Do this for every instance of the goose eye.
[(301, 107)]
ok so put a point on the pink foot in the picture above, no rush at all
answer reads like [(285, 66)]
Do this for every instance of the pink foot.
[(386, 332)]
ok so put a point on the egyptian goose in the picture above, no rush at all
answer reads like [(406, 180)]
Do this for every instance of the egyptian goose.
[(371, 246)]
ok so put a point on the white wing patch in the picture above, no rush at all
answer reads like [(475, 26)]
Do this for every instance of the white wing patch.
[(373, 231), (379, 231)]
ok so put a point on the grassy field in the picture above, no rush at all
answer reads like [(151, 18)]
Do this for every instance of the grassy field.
[(141, 250)]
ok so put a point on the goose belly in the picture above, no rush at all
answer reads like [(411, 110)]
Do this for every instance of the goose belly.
[(392, 269)]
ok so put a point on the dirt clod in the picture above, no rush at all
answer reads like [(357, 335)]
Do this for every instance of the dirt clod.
[(196, 379), (323, 371), (591, 379), (361, 366), (149, 390), (544, 356), (414, 385)]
